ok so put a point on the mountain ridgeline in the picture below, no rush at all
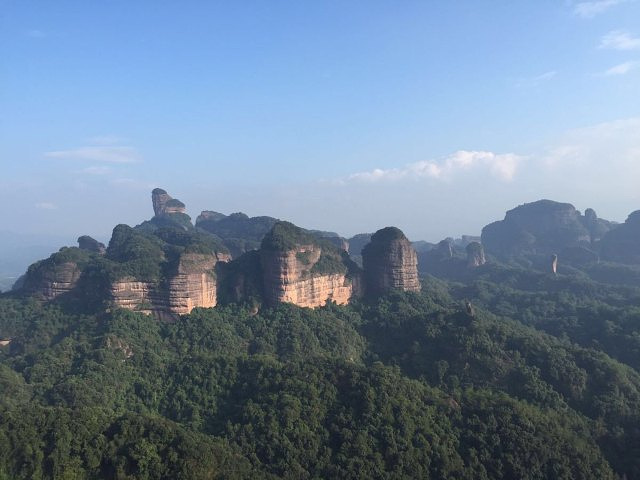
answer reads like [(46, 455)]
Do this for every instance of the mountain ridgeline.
[(167, 266)]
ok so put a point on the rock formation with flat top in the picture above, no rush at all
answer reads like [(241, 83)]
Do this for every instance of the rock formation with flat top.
[(304, 270)]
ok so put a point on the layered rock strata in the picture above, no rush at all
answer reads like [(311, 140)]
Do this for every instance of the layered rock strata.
[(192, 285), (299, 268), (54, 281), (288, 278), (390, 262)]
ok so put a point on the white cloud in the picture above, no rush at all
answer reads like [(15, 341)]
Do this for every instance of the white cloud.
[(620, 40), (501, 166), (537, 80), (595, 7), (100, 153), (46, 206), (620, 69), (611, 148)]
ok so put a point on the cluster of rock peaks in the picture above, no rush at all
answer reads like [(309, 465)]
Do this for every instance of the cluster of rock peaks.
[(166, 266)]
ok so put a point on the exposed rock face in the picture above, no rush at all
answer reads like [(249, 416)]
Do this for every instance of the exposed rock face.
[(390, 262), (288, 279), (194, 284), (475, 255), (164, 204), (159, 198), (300, 269), (131, 294), (55, 281), (541, 227), (622, 244), (90, 244), (56, 275)]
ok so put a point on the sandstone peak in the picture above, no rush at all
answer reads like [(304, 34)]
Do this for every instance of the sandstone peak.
[(301, 268), (164, 204), (390, 262)]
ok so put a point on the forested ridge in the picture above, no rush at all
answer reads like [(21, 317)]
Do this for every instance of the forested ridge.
[(540, 380)]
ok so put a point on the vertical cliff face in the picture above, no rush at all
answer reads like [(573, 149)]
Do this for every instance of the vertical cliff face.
[(55, 281), (159, 198), (475, 255), (390, 262), (300, 269), (194, 284), (164, 204), (133, 294), (56, 275)]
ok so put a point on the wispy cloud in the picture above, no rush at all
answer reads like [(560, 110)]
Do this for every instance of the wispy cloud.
[(621, 69), (501, 166), (46, 206), (535, 81), (620, 40), (595, 7), (98, 153)]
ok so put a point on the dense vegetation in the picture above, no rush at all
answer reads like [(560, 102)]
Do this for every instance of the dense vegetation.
[(540, 382)]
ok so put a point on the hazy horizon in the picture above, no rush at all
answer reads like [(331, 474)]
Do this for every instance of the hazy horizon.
[(436, 118)]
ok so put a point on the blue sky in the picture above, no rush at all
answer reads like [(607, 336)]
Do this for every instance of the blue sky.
[(348, 116)]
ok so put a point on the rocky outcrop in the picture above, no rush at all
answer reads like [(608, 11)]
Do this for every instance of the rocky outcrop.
[(159, 198), (54, 282), (301, 269), (90, 244), (164, 204), (475, 255), (541, 227), (56, 275), (622, 244), (133, 294), (390, 262), (194, 284)]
